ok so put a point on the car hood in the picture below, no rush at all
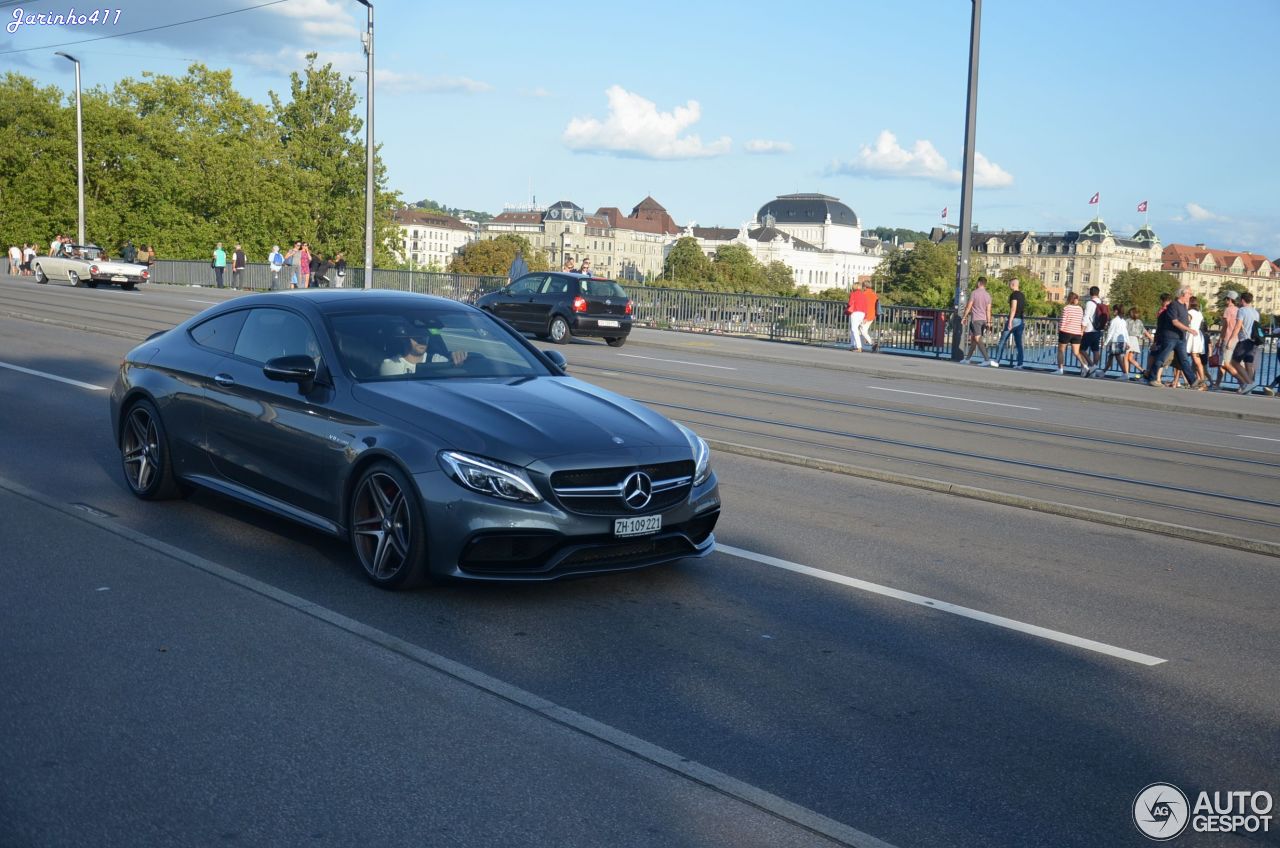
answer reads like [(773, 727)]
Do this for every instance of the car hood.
[(524, 420)]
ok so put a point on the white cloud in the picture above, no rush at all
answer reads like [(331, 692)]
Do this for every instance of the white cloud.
[(320, 17), (635, 128), (757, 145), (888, 159), (398, 82), (536, 92), (1199, 213)]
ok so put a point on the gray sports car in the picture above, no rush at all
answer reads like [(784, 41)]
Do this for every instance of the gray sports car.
[(435, 438)]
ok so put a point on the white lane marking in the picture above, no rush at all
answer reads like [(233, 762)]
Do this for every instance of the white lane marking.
[(66, 380), (210, 302), (678, 361), (950, 397), (1263, 438), (932, 603)]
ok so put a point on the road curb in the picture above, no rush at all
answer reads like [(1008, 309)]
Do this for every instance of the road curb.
[(1093, 516), (885, 374)]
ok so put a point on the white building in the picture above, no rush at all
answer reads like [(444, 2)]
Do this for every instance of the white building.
[(815, 235), (429, 240)]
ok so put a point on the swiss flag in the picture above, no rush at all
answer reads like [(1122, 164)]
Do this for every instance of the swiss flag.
[(1142, 207), (944, 213), (1093, 200)]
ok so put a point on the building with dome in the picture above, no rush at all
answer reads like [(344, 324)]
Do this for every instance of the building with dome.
[(815, 235), (1071, 261)]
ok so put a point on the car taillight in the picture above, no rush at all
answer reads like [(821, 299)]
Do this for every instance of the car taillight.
[(145, 273), (579, 304), (93, 269), (628, 307)]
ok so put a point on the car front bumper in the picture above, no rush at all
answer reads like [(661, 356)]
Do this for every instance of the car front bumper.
[(475, 537)]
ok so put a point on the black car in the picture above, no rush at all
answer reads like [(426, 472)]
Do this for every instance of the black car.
[(434, 437), (557, 306)]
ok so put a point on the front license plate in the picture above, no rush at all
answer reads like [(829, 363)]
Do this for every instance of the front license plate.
[(119, 279), (641, 525), (603, 323)]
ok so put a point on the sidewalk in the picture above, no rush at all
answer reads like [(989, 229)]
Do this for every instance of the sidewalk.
[(148, 697), (903, 366)]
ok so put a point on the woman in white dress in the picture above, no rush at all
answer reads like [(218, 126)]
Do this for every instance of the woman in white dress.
[(1194, 340)]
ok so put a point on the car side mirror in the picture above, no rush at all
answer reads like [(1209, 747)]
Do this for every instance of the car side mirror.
[(299, 368), (557, 358)]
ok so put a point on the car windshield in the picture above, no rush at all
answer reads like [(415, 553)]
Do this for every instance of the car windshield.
[(428, 344)]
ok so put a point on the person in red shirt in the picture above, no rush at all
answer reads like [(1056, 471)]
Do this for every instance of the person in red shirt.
[(871, 301), (857, 312)]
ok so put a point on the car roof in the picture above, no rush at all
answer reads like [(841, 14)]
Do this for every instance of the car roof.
[(337, 300)]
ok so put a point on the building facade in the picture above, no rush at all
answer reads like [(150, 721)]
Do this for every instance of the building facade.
[(1207, 270), (629, 247), (1068, 262), (815, 235), (429, 240)]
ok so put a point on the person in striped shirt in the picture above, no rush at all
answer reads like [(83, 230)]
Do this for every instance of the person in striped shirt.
[(1070, 331)]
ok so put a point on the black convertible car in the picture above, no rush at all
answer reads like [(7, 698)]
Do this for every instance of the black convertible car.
[(434, 437)]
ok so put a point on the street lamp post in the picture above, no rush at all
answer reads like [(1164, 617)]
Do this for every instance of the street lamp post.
[(79, 151), (368, 151), (966, 190)]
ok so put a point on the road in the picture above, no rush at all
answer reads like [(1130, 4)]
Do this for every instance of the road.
[(926, 668)]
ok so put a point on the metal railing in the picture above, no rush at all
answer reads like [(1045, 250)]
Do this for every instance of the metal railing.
[(898, 329)]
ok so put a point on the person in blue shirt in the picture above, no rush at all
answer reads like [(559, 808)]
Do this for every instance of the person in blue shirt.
[(277, 265), (219, 263)]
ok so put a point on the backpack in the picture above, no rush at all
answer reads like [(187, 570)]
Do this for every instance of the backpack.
[(1101, 317), (1256, 334)]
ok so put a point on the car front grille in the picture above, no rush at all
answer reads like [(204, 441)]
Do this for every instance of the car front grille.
[(598, 491)]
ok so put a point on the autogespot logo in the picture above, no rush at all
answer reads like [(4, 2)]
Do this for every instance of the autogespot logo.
[(1160, 811)]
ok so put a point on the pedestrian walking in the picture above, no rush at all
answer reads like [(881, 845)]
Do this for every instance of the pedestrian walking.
[(977, 316), (1171, 327), (1014, 326), (1247, 345), (15, 260), (238, 263), (219, 263), (1070, 331), (856, 309), (276, 261), (1138, 334), (1094, 322), (304, 265), (1227, 340), (871, 302), (340, 270), (1116, 343), (1194, 340)]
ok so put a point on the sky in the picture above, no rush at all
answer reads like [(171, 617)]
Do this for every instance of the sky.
[(715, 107)]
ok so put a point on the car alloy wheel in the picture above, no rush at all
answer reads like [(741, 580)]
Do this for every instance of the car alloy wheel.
[(74, 278), (559, 331), (617, 341), (386, 530), (41, 279), (144, 453)]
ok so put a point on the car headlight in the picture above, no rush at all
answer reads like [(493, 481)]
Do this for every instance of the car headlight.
[(701, 455), (489, 477)]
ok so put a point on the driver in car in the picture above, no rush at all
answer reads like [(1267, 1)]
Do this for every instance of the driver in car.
[(423, 349)]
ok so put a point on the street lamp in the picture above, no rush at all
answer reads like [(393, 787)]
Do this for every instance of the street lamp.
[(966, 189), (367, 38), (79, 150)]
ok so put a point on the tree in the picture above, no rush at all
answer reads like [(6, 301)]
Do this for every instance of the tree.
[(889, 233), (1037, 300), (686, 266), (319, 131), (736, 269), (923, 276), (1142, 289), (780, 279), (493, 257)]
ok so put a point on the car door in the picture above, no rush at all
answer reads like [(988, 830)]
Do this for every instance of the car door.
[(556, 296), (515, 304), (270, 436)]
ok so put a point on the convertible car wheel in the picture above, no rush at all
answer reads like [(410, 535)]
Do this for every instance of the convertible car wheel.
[(74, 278), (40, 276), (144, 453), (387, 531), (559, 330)]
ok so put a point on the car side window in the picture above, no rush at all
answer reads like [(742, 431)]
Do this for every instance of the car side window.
[(220, 332), (527, 285), (268, 333)]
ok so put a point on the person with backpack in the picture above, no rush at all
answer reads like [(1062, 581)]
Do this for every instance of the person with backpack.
[(1251, 336), (1096, 316), (276, 260), (1116, 344)]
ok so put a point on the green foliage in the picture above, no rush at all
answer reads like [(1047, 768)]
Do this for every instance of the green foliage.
[(737, 270), (904, 236), (1038, 303), (686, 266), (183, 162), (924, 276), (429, 205), (840, 294), (780, 279), (493, 257), (1142, 289)]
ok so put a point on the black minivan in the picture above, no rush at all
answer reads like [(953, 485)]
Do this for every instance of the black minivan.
[(557, 306)]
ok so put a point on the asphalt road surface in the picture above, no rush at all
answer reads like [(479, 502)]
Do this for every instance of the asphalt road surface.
[(925, 668)]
